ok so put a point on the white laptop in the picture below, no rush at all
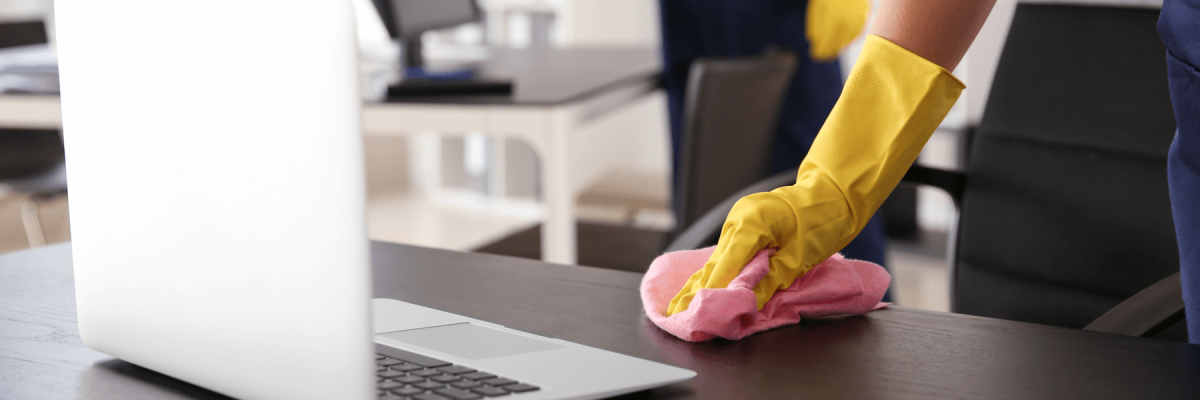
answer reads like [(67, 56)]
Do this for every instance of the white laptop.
[(217, 212)]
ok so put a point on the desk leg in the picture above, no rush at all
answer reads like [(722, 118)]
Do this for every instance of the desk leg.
[(498, 167), (425, 163), (558, 228)]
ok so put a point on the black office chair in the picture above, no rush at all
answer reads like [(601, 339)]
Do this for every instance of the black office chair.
[(732, 107), (730, 119), (1064, 212)]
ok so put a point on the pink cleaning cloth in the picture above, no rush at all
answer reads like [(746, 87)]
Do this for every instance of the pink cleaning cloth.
[(834, 287)]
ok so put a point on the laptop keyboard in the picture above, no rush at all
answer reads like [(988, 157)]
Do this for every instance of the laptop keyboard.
[(406, 375)]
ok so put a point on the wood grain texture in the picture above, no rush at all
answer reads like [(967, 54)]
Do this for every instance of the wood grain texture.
[(891, 353), (41, 355)]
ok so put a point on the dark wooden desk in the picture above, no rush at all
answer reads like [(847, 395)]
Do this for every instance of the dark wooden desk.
[(892, 353), (556, 76)]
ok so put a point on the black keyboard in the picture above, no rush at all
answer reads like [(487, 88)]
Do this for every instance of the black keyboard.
[(406, 375)]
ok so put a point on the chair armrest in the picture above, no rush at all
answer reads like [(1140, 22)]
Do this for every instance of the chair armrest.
[(952, 182), (709, 225), (1147, 313)]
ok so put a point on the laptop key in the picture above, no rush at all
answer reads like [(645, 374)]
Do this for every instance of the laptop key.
[(457, 394), (489, 391), (409, 379), (429, 396), (388, 361), (456, 369), (406, 367), (447, 378), (520, 388), (499, 381), (478, 376), (391, 373), (429, 385), (426, 373), (408, 391), (387, 385), (410, 357), (466, 384)]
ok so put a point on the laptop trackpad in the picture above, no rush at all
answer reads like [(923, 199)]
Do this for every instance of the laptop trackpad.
[(470, 341)]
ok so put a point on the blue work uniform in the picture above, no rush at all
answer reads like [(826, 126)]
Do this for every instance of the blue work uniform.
[(1179, 25), (738, 28)]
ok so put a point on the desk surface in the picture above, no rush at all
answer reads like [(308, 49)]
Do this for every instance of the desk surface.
[(556, 76), (891, 353)]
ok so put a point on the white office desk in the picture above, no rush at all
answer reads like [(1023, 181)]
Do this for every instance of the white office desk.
[(556, 93)]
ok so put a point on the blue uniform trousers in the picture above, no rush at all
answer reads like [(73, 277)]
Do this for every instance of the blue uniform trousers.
[(1179, 25)]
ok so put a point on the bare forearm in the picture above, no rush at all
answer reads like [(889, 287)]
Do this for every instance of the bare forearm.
[(937, 30)]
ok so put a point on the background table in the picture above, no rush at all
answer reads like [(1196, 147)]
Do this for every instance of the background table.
[(556, 92), (891, 353)]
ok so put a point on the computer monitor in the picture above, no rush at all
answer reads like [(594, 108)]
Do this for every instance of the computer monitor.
[(406, 20)]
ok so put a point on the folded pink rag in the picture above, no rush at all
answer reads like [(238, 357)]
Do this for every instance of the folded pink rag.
[(835, 286)]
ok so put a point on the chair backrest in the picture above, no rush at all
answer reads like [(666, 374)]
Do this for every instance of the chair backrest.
[(730, 117), (1066, 210)]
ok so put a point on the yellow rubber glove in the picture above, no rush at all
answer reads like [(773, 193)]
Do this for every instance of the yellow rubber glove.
[(892, 103), (832, 24)]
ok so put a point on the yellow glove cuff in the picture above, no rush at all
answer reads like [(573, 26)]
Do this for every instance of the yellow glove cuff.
[(832, 24), (892, 102)]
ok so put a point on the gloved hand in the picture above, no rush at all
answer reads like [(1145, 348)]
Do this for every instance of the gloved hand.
[(891, 104), (832, 24)]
